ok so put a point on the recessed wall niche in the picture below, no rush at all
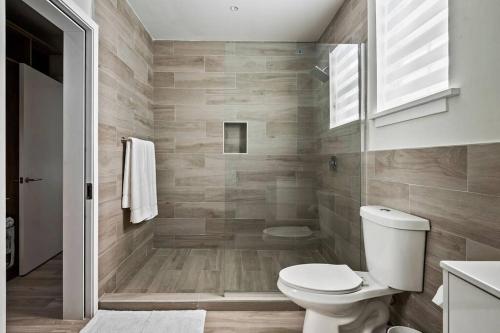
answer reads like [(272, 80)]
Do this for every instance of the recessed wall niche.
[(235, 138)]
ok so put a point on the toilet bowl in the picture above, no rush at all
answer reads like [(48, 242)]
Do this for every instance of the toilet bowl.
[(338, 299), (344, 302)]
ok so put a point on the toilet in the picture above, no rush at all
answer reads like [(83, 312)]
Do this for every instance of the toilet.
[(338, 299)]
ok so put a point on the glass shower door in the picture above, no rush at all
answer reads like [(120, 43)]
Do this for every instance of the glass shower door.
[(284, 204)]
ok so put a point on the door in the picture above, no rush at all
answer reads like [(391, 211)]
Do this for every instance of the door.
[(40, 168)]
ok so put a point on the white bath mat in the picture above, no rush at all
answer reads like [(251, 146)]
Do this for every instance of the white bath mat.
[(147, 322)]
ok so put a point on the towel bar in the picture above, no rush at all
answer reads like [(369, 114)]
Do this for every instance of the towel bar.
[(125, 139)]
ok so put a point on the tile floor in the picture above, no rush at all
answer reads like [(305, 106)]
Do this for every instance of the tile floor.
[(214, 270), (34, 304)]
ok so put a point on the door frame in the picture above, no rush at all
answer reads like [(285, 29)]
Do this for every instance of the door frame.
[(84, 301), (2, 167)]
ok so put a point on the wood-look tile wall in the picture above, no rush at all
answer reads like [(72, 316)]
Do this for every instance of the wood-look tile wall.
[(209, 199), (350, 24), (457, 189), (125, 99), (340, 191)]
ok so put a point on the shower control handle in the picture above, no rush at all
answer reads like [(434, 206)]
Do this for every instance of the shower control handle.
[(332, 163), (29, 180)]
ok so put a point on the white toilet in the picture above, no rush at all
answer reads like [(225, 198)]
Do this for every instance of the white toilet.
[(338, 299)]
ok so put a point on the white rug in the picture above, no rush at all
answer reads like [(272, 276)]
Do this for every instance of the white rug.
[(147, 322)]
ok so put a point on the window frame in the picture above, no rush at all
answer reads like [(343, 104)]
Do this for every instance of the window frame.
[(433, 103)]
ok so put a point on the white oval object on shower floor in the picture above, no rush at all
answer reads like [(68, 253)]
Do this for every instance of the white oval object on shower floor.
[(289, 232)]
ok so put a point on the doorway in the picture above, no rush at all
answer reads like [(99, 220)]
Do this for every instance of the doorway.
[(34, 139), (34, 163), (51, 173)]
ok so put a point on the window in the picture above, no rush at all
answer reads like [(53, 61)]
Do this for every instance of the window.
[(412, 51), (344, 84)]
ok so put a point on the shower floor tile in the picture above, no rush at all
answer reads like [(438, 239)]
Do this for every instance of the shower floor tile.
[(174, 270)]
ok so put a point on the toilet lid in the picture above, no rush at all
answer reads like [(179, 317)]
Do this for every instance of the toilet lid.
[(322, 278)]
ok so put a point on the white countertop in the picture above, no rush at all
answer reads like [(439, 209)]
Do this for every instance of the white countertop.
[(483, 274)]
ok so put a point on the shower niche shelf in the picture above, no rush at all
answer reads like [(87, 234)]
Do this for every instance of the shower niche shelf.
[(235, 138)]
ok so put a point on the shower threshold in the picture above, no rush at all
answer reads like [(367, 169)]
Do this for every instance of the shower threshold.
[(230, 301)]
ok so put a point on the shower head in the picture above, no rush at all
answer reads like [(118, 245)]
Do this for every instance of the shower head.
[(320, 73)]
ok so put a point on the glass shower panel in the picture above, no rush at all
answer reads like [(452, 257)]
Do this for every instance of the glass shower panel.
[(284, 204), (338, 150)]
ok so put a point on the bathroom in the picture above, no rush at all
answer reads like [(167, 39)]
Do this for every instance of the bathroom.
[(273, 124)]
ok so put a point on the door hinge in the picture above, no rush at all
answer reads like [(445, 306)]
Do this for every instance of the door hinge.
[(89, 191)]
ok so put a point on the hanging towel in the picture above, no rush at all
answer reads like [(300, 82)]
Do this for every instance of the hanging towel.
[(139, 180)]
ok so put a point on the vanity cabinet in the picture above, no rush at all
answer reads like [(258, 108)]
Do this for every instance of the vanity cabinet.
[(471, 300)]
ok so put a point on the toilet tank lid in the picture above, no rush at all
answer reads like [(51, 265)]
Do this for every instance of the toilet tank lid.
[(392, 218)]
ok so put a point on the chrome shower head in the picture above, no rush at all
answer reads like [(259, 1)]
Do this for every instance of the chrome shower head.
[(320, 73)]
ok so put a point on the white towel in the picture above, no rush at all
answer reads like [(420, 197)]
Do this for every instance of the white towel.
[(139, 180)]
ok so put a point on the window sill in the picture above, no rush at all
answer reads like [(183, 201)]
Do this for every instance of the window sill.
[(433, 104)]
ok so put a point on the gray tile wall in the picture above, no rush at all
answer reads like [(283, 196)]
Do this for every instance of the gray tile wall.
[(125, 99), (209, 199), (350, 24), (456, 188)]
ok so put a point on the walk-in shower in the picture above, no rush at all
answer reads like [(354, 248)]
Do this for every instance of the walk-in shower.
[(230, 217)]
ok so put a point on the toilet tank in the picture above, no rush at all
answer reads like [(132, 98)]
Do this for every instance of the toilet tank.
[(394, 247)]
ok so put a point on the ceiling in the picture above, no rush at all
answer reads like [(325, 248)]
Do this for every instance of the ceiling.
[(256, 20)]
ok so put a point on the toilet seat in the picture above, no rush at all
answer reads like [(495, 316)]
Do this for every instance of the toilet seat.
[(369, 289), (321, 278)]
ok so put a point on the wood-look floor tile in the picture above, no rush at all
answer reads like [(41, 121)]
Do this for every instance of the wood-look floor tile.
[(254, 322), (34, 302), (209, 270), (141, 280)]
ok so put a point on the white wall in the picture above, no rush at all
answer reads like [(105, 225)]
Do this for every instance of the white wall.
[(86, 5), (472, 117)]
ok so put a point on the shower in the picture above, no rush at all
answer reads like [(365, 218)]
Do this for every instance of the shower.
[(244, 201), (320, 73)]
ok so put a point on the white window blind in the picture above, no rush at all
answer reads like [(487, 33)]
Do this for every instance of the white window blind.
[(344, 84), (412, 50)]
